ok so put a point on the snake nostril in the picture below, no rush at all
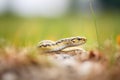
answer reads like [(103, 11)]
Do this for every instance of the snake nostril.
[(84, 39)]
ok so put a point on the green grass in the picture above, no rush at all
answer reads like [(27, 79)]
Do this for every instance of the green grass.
[(25, 32), (95, 23)]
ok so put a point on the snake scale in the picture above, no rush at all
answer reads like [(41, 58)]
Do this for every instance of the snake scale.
[(48, 46)]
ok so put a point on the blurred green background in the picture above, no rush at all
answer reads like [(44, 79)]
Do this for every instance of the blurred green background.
[(27, 31)]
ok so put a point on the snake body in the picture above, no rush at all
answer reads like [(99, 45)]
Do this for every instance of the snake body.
[(52, 46)]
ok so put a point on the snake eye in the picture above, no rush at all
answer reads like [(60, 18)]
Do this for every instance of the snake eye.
[(79, 39)]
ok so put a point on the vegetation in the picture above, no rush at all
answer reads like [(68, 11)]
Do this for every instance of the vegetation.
[(19, 36), (24, 31)]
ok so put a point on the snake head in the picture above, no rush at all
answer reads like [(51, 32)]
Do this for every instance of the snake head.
[(76, 41)]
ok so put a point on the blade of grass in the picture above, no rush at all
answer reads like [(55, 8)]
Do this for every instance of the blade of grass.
[(95, 22)]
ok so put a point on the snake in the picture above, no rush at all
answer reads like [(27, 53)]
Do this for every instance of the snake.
[(59, 45)]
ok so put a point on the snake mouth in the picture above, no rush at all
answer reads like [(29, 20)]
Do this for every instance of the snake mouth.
[(83, 39)]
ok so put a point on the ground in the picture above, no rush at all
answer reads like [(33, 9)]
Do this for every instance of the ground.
[(28, 64)]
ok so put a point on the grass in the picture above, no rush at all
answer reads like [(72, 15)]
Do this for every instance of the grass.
[(28, 31), (95, 22)]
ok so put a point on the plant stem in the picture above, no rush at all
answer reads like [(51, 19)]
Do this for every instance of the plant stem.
[(95, 22)]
